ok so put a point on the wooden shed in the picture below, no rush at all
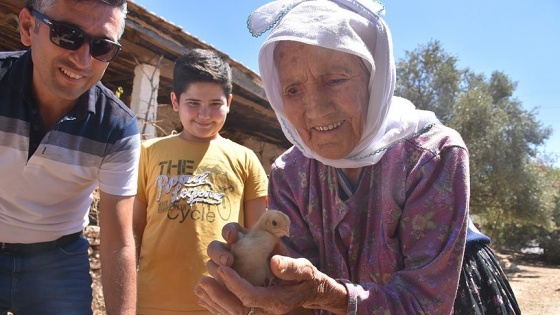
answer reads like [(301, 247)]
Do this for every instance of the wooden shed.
[(144, 71)]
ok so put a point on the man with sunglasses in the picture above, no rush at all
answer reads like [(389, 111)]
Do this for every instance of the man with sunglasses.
[(62, 134)]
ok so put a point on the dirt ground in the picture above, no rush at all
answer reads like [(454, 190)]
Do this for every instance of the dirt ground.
[(536, 285)]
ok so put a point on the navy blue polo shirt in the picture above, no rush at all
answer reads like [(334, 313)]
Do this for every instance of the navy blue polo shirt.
[(49, 175)]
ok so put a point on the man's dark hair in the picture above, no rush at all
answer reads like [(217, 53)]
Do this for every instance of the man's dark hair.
[(201, 65), (44, 5)]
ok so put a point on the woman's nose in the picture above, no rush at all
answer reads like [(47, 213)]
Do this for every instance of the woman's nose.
[(315, 103)]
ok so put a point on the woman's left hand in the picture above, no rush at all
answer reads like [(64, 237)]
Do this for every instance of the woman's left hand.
[(301, 285)]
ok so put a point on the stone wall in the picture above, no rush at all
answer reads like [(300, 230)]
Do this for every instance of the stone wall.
[(98, 304)]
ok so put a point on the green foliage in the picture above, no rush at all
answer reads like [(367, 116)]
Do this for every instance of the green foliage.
[(551, 246), (519, 236), (509, 185), (430, 79), (553, 179), (556, 211)]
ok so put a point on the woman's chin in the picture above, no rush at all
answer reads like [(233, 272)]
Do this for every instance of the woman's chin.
[(334, 152)]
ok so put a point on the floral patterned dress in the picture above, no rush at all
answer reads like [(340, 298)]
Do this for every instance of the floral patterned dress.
[(396, 238)]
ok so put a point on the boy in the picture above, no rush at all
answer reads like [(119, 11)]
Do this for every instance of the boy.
[(190, 184)]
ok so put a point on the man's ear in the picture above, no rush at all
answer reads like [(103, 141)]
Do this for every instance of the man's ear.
[(26, 26)]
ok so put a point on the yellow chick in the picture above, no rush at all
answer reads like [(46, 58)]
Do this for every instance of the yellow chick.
[(253, 250)]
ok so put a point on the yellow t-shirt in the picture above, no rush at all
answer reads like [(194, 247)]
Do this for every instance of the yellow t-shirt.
[(191, 190)]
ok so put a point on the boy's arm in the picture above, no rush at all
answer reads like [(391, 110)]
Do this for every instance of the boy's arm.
[(254, 208)]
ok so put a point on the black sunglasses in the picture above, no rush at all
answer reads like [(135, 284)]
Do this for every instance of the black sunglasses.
[(71, 37)]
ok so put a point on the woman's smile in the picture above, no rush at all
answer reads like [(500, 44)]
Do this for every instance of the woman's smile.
[(329, 127)]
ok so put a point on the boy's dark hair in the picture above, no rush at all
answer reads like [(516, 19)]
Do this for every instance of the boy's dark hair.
[(201, 65)]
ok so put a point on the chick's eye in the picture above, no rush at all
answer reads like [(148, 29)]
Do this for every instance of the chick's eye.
[(274, 223)]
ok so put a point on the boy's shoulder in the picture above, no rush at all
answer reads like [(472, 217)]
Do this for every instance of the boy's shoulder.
[(225, 142), (158, 141)]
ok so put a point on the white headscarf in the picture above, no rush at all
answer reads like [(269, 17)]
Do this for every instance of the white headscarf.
[(350, 26)]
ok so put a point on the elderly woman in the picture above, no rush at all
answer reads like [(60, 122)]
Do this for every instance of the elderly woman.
[(376, 190)]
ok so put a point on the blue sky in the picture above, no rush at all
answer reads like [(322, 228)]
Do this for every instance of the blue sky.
[(519, 38)]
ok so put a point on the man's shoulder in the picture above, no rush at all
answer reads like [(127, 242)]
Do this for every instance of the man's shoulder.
[(6, 55), (109, 117), (7, 58), (111, 101)]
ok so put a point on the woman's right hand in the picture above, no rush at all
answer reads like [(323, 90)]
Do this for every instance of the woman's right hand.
[(212, 288), (219, 252)]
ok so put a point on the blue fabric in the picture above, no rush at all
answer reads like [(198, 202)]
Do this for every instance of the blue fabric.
[(53, 282), (95, 144), (477, 236), (474, 236)]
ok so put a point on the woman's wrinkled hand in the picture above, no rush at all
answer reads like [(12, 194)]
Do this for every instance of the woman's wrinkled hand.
[(219, 252), (301, 285)]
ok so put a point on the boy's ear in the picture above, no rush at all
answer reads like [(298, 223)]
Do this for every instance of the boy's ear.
[(26, 27), (174, 101), (229, 98)]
